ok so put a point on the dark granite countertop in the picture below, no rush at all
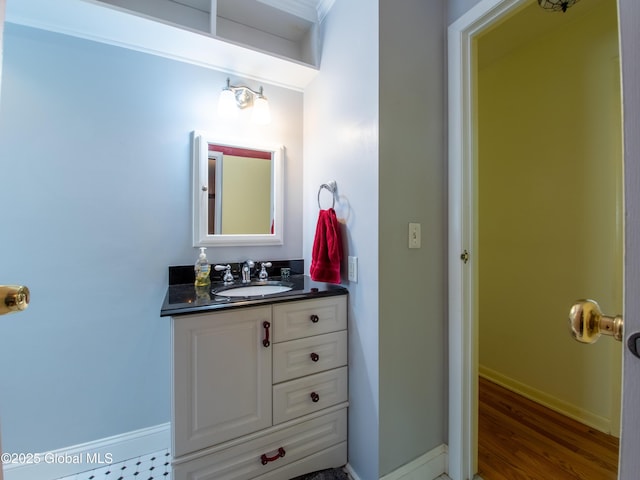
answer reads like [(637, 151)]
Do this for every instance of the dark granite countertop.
[(182, 299)]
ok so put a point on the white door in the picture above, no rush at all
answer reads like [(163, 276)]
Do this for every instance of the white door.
[(629, 18), (463, 360), (2, 7)]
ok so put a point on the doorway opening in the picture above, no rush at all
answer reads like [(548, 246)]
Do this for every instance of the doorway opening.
[(545, 129)]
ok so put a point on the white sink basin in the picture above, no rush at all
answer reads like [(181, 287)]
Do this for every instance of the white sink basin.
[(253, 290)]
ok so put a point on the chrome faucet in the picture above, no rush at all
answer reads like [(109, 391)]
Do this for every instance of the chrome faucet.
[(246, 271), (264, 275), (228, 276)]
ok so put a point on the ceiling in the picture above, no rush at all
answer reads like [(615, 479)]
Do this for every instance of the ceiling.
[(525, 25)]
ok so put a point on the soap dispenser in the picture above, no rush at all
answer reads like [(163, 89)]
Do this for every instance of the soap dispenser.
[(202, 269)]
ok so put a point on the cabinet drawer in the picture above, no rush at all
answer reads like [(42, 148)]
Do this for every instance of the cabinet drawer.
[(310, 355), (309, 317), (309, 394), (331, 457), (244, 461)]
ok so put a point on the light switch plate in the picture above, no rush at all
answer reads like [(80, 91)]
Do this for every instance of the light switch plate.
[(414, 235), (353, 269)]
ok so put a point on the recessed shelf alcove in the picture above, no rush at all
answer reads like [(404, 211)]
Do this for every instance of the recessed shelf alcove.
[(181, 32)]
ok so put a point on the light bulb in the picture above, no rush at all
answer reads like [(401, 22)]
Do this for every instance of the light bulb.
[(227, 104), (261, 112)]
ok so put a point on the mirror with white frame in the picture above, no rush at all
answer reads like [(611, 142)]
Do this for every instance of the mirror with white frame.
[(237, 192)]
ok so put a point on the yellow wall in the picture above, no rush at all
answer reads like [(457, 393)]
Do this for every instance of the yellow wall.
[(549, 224)]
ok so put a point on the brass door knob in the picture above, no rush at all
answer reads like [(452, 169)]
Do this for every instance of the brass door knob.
[(13, 298), (587, 322)]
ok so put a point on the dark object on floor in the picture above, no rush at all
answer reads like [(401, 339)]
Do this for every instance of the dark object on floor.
[(330, 474)]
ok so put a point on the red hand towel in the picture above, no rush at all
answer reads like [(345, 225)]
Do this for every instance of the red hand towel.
[(326, 257)]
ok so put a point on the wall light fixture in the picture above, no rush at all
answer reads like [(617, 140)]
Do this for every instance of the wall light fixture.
[(235, 97), (557, 5)]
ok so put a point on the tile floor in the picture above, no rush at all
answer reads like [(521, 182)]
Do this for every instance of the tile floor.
[(154, 466)]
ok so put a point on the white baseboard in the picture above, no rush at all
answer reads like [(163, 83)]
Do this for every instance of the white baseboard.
[(581, 415), (352, 474), (90, 455), (426, 467)]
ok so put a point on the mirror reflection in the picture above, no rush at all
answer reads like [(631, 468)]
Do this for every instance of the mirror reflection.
[(240, 200), (237, 192)]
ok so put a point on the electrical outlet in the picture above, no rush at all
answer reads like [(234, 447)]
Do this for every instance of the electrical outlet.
[(353, 269), (414, 235)]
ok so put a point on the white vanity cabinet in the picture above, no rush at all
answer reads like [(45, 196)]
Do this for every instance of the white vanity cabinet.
[(260, 392)]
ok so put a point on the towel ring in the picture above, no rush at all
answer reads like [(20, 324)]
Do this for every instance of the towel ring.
[(331, 187)]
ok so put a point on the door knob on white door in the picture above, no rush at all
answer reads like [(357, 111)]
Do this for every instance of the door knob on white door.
[(13, 298), (587, 322)]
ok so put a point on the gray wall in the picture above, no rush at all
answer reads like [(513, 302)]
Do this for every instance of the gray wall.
[(412, 189), (96, 182), (456, 8)]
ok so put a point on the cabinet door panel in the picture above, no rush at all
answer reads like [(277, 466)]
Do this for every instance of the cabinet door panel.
[(222, 377)]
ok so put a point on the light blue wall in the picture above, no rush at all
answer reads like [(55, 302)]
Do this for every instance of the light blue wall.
[(341, 144), (95, 196)]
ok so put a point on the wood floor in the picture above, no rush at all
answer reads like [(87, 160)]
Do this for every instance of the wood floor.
[(521, 440)]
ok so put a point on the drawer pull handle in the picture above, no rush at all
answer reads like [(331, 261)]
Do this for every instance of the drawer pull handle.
[(315, 357), (314, 318), (264, 459), (315, 397), (266, 341)]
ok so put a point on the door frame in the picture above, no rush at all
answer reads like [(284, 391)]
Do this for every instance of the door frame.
[(463, 334), (463, 348)]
